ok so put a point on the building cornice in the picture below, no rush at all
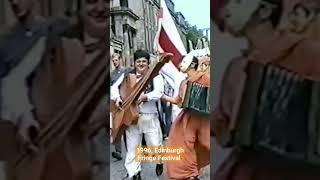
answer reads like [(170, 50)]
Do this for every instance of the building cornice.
[(117, 40), (157, 4), (124, 11)]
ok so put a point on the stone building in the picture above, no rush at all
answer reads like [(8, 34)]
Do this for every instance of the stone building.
[(134, 24)]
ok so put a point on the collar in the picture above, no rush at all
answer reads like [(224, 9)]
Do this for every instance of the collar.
[(92, 44), (119, 69), (138, 75), (88, 40)]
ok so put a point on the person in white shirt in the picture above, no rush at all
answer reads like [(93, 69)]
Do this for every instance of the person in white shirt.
[(148, 123)]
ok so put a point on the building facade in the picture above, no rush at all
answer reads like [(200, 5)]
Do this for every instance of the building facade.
[(134, 24)]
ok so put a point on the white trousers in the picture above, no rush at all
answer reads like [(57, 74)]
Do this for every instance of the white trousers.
[(149, 125)]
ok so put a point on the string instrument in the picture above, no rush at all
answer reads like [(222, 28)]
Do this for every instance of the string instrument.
[(130, 90), (89, 88)]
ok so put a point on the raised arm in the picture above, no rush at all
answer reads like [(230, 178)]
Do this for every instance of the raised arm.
[(177, 99)]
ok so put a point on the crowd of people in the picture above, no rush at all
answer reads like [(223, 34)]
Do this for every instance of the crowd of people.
[(157, 125), (53, 94)]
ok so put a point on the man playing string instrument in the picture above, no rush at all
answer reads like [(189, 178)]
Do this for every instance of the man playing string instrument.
[(148, 122)]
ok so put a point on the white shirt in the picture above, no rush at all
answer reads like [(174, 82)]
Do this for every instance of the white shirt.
[(174, 77), (17, 104), (152, 97)]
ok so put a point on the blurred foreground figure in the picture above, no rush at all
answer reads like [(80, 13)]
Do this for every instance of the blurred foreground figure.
[(191, 129), (65, 84), (94, 22), (18, 61), (267, 108)]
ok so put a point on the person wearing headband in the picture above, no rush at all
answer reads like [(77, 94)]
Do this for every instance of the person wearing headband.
[(190, 130)]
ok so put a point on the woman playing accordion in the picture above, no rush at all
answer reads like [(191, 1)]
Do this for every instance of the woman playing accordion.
[(191, 129)]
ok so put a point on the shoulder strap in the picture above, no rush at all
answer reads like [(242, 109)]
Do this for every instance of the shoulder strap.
[(18, 44), (127, 71), (55, 29)]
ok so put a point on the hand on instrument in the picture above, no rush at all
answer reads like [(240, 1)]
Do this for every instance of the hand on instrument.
[(28, 130), (142, 98), (119, 102)]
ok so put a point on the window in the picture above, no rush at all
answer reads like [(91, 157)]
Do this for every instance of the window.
[(124, 3), (113, 25), (130, 38)]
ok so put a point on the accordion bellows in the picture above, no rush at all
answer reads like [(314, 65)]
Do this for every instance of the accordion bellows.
[(197, 96), (279, 112)]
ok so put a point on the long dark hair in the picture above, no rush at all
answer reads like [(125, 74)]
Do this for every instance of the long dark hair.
[(196, 61), (276, 13)]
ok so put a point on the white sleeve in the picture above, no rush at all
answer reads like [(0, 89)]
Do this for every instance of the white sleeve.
[(158, 89), (114, 91), (16, 103), (173, 76), (177, 84), (170, 73)]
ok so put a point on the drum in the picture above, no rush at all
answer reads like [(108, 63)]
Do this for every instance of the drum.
[(279, 112), (197, 98)]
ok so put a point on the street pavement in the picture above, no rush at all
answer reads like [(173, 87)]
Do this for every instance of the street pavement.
[(118, 171)]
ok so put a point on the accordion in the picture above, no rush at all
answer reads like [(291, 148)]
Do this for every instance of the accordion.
[(279, 112), (197, 98)]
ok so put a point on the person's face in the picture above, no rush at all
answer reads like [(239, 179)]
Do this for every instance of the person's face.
[(300, 18), (237, 13), (141, 65), (296, 16), (116, 62), (21, 8), (240, 14), (95, 16), (184, 65)]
